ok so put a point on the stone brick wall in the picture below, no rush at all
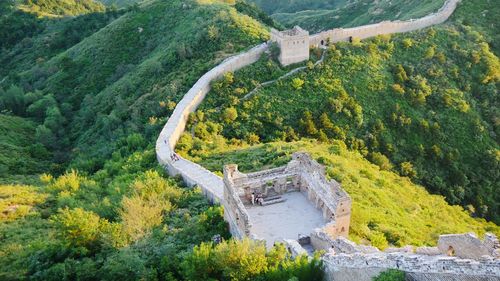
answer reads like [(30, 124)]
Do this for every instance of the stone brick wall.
[(345, 259), (234, 211), (385, 27), (194, 174), (341, 265), (301, 174), (466, 245), (293, 43)]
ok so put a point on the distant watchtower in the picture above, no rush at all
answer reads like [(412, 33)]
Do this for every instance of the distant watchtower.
[(293, 43)]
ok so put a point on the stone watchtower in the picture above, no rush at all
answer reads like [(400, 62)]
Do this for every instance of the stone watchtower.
[(293, 44)]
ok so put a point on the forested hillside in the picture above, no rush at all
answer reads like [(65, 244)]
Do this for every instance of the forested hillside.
[(111, 83), (25, 155), (82, 100), (423, 104), (55, 8), (318, 15)]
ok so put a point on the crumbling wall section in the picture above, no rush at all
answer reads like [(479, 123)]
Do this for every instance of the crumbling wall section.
[(235, 212), (345, 259), (326, 195), (341, 266), (466, 245)]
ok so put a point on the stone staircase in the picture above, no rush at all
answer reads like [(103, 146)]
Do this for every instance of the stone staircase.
[(273, 200)]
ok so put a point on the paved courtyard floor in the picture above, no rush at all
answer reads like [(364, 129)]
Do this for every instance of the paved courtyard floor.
[(286, 219)]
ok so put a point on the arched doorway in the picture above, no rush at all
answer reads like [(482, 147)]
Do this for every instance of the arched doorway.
[(451, 251)]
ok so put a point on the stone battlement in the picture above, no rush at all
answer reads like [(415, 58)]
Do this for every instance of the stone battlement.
[(457, 256), (341, 267), (293, 44), (302, 174)]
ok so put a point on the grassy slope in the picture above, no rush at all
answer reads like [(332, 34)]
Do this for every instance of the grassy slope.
[(322, 15), (386, 206), (20, 152), (290, 6), (57, 8), (120, 3)]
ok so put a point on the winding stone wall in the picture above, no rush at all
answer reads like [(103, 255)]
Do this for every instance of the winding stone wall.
[(339, 267), (385, 27), (192, 173), (211, 184)]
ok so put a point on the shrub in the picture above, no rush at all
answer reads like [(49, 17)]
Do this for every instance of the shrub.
[(247, 260), (297, 83), (77, 226), (380, 160), (408, 170), (391, 275), (407, 43), (430, 52), (253, 139), (398, 89), (229, 115)]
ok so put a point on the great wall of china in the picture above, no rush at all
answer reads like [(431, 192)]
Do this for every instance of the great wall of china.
[(344, 260)]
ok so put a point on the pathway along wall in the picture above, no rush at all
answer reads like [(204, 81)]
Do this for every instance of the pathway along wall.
[(192, 173), (385, 27)]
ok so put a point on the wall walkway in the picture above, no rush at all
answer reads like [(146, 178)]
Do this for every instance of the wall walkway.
[(192, 173), (385, 27)]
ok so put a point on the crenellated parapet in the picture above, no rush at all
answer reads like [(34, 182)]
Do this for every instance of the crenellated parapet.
[(456, 257), (293, 44)]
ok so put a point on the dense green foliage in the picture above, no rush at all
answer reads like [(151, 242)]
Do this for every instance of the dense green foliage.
[(390, 275), (126, 222), (91, 93), (25, 156), (148, 62), (317, 15), (27, 39), (62, 7), (16, 24), (83, 98), (426, 101), (481, 14), (249, 260), (125, 219)]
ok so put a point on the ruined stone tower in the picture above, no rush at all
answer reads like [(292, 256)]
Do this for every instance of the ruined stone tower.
[(293, 44), (303, 176)]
